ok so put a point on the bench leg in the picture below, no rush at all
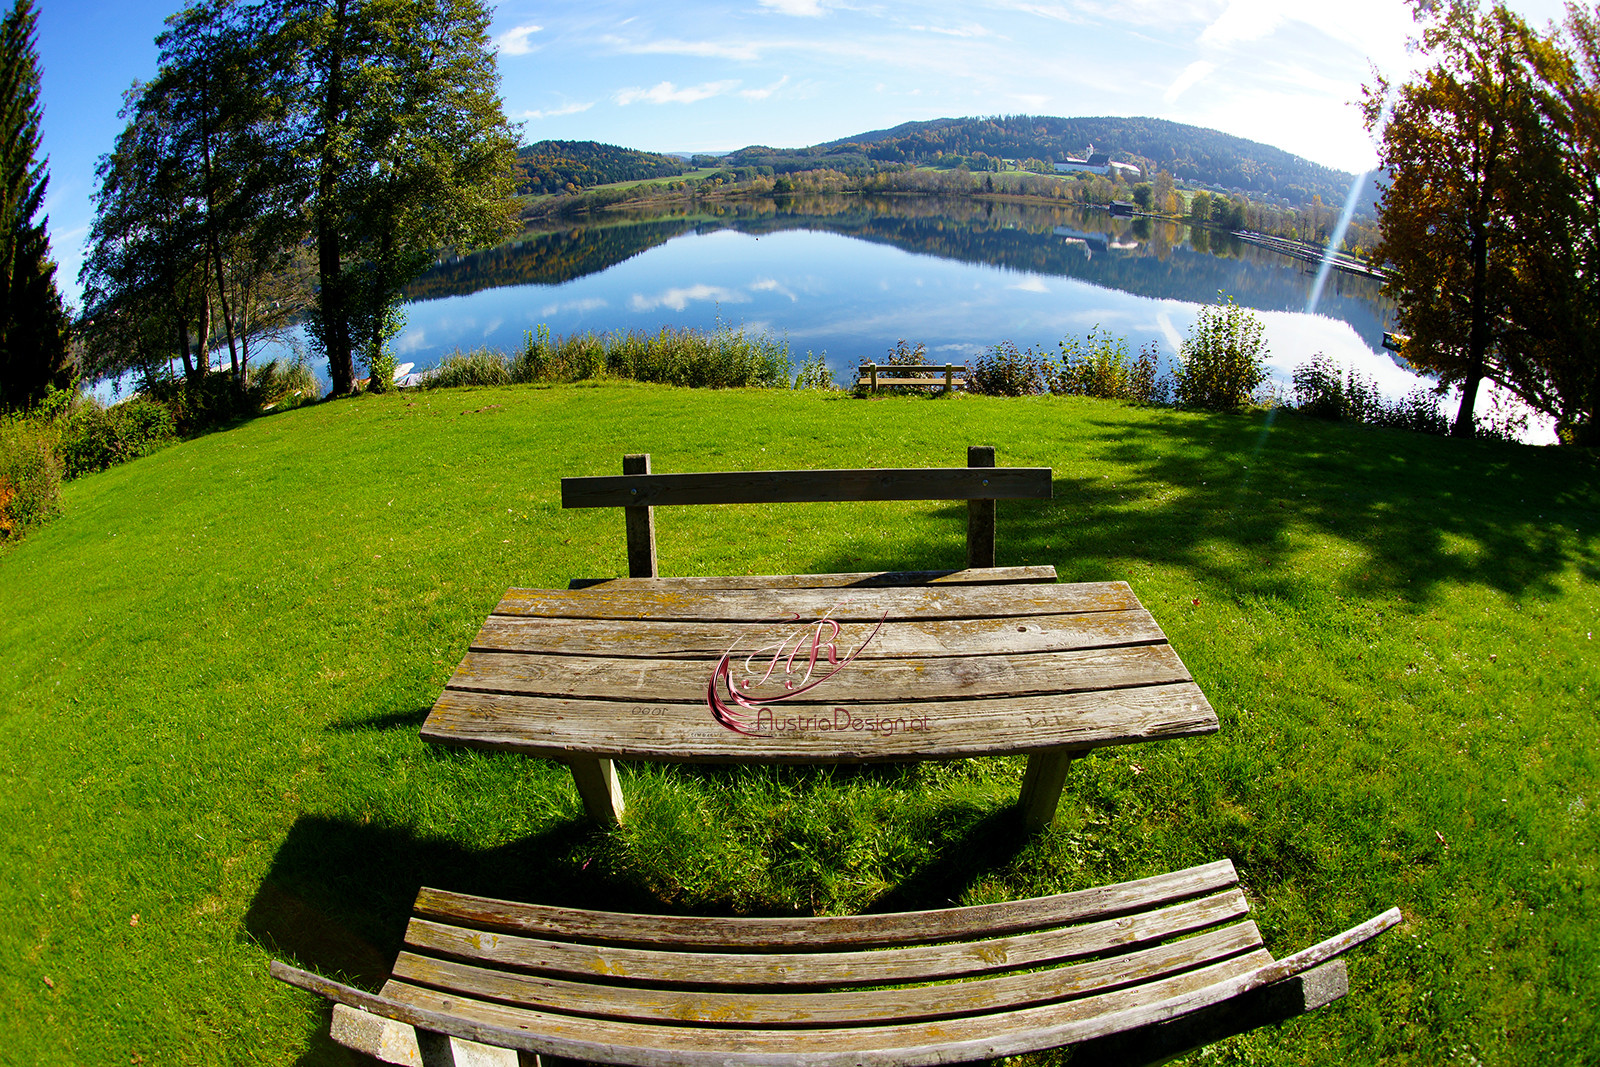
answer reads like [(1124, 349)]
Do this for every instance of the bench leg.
[(441, 1051), (1041, 787), (601, 791)]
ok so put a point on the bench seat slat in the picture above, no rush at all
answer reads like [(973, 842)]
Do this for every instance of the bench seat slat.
[(918, 637), (807, 486), (905, 963), (946, 602), (937, 383), (837, 932), (565, 728), (859, 579), (827, 1008), (863, 681), (941, 1041)]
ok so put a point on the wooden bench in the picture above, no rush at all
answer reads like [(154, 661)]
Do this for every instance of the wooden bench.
[(879, 375), (1131, 973), (936, 665)]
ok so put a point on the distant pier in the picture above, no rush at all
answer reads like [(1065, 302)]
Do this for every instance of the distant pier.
[(1308, 253)]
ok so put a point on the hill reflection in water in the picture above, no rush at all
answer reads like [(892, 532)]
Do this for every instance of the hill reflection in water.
[(851, 275)]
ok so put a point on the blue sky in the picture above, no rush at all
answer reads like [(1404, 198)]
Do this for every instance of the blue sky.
[(707, 75)]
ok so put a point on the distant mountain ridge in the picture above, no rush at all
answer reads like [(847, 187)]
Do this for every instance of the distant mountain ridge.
[(1193, 154)]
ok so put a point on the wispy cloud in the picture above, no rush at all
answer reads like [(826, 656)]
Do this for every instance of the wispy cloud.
[(667, 93), (801, 8), (971, 29), (550, 113), (1192, 74), (514, 42), (679, 298), (669, 46), (765, 91), (1031, 284)]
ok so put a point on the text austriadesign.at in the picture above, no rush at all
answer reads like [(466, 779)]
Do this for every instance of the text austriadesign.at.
[(741, 700)]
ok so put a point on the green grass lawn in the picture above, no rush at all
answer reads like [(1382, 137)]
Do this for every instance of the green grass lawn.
[(214, 665)]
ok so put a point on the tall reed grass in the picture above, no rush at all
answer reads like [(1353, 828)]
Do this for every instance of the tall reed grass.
[(727, 357)]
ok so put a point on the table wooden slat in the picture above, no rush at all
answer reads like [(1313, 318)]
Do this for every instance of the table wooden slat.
[(910, 637), (567, 728), (773, 605), (863, 681)]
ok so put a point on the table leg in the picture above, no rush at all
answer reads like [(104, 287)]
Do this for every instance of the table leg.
[(1041, 787), (598, 786)]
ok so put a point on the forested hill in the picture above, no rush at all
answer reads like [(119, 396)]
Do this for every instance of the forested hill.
[(1190, 153), (552, 165)]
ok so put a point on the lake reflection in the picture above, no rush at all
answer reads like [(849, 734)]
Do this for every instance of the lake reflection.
[(850, 276)]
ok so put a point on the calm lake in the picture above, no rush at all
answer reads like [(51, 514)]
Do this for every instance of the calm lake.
[(850, 276)]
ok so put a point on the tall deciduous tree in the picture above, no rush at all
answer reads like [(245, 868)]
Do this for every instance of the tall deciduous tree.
[(1562, 271), (406, 150), (1453, 146), (33, 323)]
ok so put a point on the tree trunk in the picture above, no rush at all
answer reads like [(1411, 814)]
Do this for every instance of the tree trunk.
[(1477, 333), (332, 296), (211, 232)]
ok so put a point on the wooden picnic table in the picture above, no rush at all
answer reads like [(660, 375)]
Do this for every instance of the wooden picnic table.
[(818, 669)]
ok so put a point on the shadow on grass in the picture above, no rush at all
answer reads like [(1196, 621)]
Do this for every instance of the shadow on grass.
[(1225, 497), (338, 894), (395, 720)]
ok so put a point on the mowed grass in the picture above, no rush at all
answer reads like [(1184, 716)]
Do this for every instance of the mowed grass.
[(214, 665)]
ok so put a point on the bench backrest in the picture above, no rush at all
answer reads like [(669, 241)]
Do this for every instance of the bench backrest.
[(980, 483)]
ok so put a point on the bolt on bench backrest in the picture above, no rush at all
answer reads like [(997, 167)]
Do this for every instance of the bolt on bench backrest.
[(980, 483)]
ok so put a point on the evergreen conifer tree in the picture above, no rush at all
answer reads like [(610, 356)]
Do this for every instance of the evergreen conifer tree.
[(33, 322)]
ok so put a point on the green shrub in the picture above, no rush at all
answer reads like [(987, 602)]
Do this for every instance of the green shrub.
[(1324, 390), (30, 475), (280, 384), (92, 437), (814, 373), (1005, 371), (1223, 360), (483, 366), (1099, 366), (202, 404)]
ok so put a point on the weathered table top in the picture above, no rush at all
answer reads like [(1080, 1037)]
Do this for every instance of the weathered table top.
[(665, 669)]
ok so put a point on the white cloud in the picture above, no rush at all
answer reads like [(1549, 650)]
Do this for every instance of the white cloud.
[(772, 285), (565, 109), (667, 93), (514, 42), (679, 298), (765, 91), (670, 46), (1192, 74), (801, 8), (1244, 20), (1031, 284)]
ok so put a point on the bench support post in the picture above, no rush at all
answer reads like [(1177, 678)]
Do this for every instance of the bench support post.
[(640, 523), (949, 376), (980, 514), (597, 784), (872, 371), (1041, 787)]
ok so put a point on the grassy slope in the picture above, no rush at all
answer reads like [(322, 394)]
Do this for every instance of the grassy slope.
[(215, 663)]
